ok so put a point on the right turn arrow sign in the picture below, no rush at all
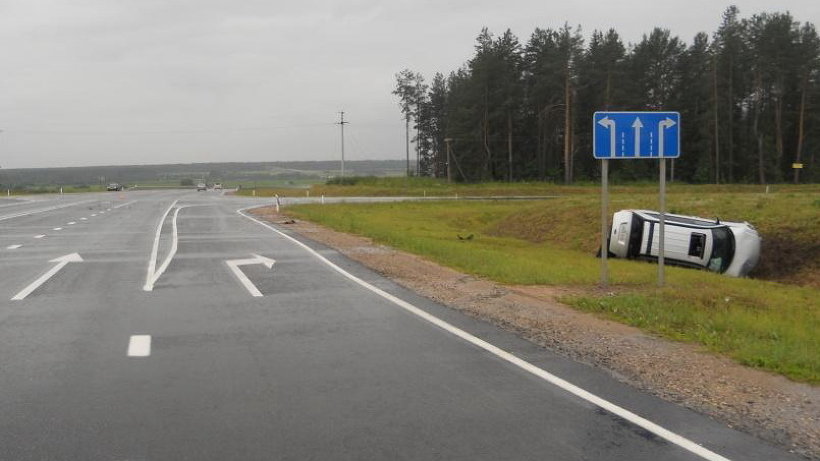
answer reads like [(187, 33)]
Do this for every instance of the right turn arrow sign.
[(243, 279)]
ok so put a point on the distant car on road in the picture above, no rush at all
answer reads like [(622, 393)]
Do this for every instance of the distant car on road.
[(114, 187), (201, 186), (218, 186), (731, 248)]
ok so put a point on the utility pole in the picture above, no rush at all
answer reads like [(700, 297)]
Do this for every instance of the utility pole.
[(407, 140), (449, 172), (342, 126)]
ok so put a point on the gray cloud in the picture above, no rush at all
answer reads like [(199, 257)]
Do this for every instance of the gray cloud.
[(150, 81)]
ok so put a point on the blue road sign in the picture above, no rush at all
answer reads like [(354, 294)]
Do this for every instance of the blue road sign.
[(622, 135)]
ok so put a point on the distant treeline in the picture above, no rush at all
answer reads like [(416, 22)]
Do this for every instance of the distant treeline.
[(748, 94), (210, 172)]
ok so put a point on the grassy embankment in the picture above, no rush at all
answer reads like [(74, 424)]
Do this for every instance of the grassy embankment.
[(421, 187), (760, 323)]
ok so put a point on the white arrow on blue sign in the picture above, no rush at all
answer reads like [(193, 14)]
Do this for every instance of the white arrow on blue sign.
[(622, 135)]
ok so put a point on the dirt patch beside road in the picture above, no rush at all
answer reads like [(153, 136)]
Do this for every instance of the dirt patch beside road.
[(760, 403)]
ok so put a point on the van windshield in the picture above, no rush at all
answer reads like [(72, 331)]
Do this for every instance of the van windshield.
[(723, 249)]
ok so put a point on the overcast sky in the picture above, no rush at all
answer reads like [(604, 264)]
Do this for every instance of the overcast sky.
[(97, 82)]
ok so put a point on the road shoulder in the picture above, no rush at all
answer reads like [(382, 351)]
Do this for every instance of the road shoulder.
[(765, 405)]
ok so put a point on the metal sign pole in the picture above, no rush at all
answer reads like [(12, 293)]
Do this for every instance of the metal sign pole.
[(604, 213), (661, 240)]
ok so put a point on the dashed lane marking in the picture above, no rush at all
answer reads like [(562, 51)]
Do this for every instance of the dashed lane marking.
[(139, 346), (13, 247), (39, 236)]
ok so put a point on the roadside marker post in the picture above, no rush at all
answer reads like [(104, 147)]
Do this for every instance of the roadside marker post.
[(634, 135)]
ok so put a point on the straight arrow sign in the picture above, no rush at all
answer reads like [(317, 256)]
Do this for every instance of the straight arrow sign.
[(637, 125), (243, 279), (62, 261)]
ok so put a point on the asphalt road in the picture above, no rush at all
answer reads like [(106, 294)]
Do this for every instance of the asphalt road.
[(203, 352)]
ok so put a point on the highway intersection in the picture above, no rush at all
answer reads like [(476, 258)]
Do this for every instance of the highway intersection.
[(173, 324)]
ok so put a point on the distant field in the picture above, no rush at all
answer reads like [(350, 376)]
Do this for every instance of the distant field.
[(767, 324)]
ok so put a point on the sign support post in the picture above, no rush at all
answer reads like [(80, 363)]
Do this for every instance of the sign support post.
[(604, 213), (662, 222)]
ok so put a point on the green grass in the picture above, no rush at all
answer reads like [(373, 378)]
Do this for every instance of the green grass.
[(759, 323), (430, 187), (69, 189)]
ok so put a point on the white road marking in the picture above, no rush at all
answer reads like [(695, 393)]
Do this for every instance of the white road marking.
[(504, 355), (57, 228), (61, 262), (139, 346), (39, 236), (93, 214), (41, 210), (152, 274), (83, 219), (243, 279), (123, 204), (13, 247), (72, 223)]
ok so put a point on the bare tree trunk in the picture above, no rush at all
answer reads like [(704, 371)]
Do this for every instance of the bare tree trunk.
[(717, 125), (539, 140), (730, 120), (778, 130), (761, 170), (509, 148), (800, 128), (567, 128), (485, 128)]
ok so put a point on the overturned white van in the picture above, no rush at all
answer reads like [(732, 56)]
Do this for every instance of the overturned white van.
[(730, 248)]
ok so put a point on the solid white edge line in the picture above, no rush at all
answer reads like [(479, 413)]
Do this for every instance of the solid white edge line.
[(644, 423), (139, 346), (174, 243), (152, 262)]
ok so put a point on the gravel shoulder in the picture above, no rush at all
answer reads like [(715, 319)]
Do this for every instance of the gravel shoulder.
[(763, 404)]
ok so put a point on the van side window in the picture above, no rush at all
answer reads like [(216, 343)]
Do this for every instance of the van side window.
[(697, 244)]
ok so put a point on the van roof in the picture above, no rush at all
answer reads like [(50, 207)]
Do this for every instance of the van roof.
[(681, 219)]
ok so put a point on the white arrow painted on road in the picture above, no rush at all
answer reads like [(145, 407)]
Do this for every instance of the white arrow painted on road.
[(61, 262), (662, 126), (606, 122), (637, 125), (243, 279)]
